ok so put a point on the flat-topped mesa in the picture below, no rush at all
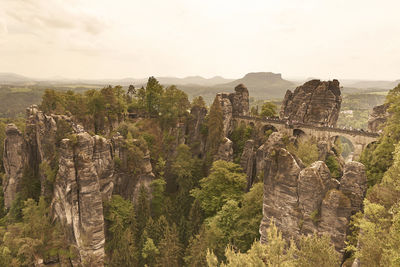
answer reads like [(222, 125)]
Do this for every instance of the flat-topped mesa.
[(315, 102)]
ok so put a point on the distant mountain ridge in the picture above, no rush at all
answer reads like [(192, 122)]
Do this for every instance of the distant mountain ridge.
[(262, 84)]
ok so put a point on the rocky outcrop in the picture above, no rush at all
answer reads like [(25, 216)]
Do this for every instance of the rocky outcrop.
[(126, 184), (304, 200), (233, 104), (314, 102), (227, 112), (77, 200), (195, 137), (77, 172), (15, 159), (248, 162), (240, 101), (353, 184), (225, 150), (378, 118)]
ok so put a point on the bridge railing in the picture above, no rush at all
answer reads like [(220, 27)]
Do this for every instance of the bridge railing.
[(310, 126)]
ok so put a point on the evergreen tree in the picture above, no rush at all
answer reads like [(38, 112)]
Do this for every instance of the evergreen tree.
[(215, 127)]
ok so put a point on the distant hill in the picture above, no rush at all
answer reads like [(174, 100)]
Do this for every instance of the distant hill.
[(262, 85), (13, 78), (365, 84)]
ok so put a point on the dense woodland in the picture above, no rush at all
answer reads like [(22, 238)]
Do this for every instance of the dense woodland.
[(199, 211)]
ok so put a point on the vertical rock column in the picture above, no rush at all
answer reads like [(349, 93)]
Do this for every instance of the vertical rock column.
[(14, 160)]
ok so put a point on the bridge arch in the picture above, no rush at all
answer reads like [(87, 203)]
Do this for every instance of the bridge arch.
[(299, 134), (344, 146)]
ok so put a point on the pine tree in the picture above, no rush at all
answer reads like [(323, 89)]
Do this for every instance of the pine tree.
[(170, 248), (215, 127)]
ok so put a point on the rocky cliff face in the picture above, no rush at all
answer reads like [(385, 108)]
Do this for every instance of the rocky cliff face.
[(77, 199), (15, 160), (85, 176), (314, 102), (304, 200), (377, 118), (233, 104), (194, 127)]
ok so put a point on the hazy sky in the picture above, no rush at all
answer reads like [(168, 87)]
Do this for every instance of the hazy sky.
[(132, 38)]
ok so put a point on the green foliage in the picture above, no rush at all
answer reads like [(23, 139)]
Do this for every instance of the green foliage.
[(334, 166), (317, 251), (268, 109), (153, 94), (307, 151), (170, 248), (239, 136), (34, 236), (312, 251), (158, 196), (150, 252), (378, 157), (379, 227), (120, 221), (225, 182), (174, 106), (199, 102), (215, 127)]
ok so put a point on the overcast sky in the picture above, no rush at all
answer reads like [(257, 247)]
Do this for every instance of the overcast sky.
[(138, 38)]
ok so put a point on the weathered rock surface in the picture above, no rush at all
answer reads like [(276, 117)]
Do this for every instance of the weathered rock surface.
[(248, 162), (314, 102), (126, 184), (195, 139), (304, 200), (233, 104), (354, 184), (77, 200), (225, 150), (86, 174), (240, 100), (15, 159), (377, 118), (227, 111)]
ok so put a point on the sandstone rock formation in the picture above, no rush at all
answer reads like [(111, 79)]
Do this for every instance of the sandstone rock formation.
[(195, 139), (248, 162), (77, 199), (225, 150), (15, 159), (304, 200), (233, 104), (86, 174), (314, 102), (377, 118)]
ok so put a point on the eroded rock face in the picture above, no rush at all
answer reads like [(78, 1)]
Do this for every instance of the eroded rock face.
[(377, 118), (225, 150), (240, 100), (233, 104), (77, 199), (304, 200), (354, 184), (15, 159), (227, 111), (248, 162), (314, 102), (195, 139), (86, 175)]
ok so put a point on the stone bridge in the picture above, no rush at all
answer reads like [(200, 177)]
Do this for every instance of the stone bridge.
[(359, 138)]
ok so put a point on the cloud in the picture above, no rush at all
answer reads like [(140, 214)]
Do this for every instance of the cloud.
[(46, 16)]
